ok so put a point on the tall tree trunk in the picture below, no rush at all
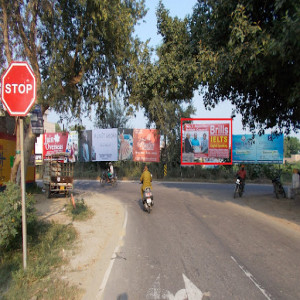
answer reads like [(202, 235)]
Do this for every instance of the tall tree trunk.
[(5, 32)]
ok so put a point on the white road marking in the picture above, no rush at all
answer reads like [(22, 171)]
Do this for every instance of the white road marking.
[(252, 278), (191, 292), (107, 273), (154, 292)]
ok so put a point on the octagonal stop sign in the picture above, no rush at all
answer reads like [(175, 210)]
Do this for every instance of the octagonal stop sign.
[(18, 90)]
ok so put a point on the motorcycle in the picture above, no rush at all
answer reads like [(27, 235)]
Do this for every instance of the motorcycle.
[(148, 199), (239, 187), (278, 188), (109, 180)]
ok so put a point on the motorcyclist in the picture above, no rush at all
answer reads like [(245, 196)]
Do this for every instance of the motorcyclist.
[(110, 172), (146, 179), (242, 175)]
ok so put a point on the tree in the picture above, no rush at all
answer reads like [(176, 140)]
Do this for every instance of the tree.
[(165, 87), (82, 52), (291, 146), (114, 116), (57, 128), (249, 54), (171, 76)]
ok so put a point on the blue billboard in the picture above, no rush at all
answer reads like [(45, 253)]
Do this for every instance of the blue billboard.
[(267, 148)]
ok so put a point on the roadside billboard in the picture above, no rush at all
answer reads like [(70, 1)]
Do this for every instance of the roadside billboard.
[(72, 146), (125, 144), (54, 143), (146, 145), (105, 144), (206, 141), (85, 145), (248, 148)]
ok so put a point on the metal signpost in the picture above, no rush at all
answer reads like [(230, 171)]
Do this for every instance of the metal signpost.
[(18, 94)]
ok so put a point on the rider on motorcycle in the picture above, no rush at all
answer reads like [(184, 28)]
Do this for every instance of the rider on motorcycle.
[(110, 172), (146, 179), (242, 175)]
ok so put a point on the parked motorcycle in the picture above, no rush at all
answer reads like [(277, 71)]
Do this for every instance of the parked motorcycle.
[(148, 199), (278, 188), (239, 187)]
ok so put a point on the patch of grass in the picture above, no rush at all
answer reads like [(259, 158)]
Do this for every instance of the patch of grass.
[(80, 211), (38, 281)]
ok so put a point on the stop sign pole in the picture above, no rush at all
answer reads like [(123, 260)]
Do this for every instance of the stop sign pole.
[(18, 94)]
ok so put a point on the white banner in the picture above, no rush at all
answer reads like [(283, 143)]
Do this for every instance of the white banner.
[(105, 144)]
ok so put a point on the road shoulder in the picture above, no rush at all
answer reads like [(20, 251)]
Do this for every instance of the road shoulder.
[(97, 238)]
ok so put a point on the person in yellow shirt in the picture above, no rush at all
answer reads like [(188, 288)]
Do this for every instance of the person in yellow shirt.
[(146, 179)]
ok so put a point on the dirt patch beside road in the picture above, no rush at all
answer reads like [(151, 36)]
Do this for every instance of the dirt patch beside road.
[(97, 237), (284, 211)]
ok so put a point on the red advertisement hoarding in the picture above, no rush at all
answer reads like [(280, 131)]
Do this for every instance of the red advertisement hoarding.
[(146, 143), (54, 143)]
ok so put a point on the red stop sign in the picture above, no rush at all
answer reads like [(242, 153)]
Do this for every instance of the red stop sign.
[(18, 90)]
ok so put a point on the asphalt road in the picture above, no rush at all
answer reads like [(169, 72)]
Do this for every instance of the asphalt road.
[(200, 243)]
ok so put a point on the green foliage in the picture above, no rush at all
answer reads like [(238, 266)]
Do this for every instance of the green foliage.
[(115, 116), (82, 52), (128, 169), (11, 216), (45, 248), (291, 146), (162, 85), (81, 212), (57, 128), (248, 53)]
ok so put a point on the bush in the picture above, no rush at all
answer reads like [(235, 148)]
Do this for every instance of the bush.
[(11, 215), (80, 212)]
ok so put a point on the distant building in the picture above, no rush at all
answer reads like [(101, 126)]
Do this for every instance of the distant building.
[(294, 158), (48, 126)]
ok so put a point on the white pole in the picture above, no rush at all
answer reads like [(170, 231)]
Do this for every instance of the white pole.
[(24, 224)]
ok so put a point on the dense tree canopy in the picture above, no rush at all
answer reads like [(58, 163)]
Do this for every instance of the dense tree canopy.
[(167, 83), (116, 116), (249, 54), (165, 86), (82, 52)]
